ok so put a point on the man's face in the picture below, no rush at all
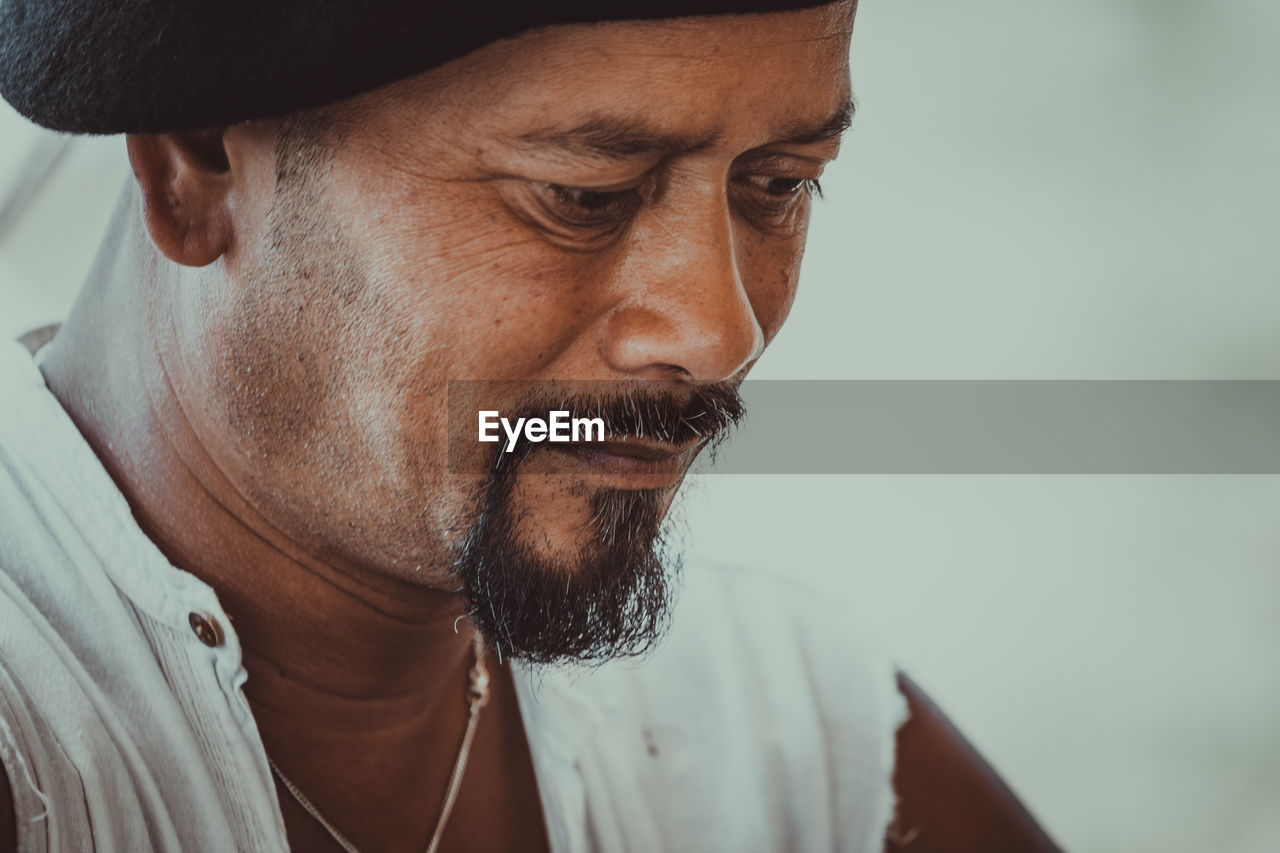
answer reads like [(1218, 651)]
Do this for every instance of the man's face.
[(619, 203)]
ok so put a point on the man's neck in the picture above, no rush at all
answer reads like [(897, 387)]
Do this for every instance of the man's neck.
[(323, 630), (354, 675)]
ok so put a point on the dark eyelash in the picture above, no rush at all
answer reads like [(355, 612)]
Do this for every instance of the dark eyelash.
[(576, 196), (803, 186)]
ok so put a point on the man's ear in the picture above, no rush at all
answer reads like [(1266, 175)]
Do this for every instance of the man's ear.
[(185, 180)]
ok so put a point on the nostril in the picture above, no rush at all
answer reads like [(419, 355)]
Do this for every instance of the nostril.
[(675, 371), (707, 343)]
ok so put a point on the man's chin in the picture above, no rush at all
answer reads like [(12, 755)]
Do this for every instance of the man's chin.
[(576, 524), (585, 574)]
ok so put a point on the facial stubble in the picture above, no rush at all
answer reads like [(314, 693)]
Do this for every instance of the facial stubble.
[(606, 595)]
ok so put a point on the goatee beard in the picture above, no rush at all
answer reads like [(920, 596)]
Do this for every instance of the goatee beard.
[(613, 596)]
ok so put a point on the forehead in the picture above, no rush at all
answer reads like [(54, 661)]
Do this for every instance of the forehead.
[(756, 74)]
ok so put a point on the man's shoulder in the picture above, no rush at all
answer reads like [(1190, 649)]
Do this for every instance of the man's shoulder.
[(796, 655), (764, 719), (42, 708), (61, 638), (750, 605), (752, 646)]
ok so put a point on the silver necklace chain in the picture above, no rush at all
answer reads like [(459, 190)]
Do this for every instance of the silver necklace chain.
[(477, 698)]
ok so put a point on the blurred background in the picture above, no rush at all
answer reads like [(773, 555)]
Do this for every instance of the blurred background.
[(1033, 190)]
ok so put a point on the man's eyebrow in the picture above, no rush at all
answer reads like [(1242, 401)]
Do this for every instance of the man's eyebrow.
[(833, 128), (615, 137)]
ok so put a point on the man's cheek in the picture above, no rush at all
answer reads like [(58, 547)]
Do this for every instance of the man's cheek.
[(504, 312), (772, 295)]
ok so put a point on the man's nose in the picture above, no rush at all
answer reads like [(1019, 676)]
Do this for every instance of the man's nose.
[(684, 310)]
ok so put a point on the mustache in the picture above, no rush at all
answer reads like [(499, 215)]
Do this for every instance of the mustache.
[(702, 412), (670, 412), (655, 411)]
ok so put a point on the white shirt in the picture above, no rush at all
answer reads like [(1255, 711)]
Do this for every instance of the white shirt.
[(764, 722)]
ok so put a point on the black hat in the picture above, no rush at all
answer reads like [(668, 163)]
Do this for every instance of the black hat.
[(151, 66)]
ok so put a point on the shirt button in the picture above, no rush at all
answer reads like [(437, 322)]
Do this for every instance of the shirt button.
[(206, 628)]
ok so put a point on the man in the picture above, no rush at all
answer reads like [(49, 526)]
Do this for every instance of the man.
[(254, 596)]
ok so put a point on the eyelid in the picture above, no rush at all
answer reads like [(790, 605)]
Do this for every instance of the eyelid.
[(805, 188), (644, 186), (762, 180), (764, 159), (575, 230), (615, 195), (759, 174), (603, 189), (575, 179), (775, 213)]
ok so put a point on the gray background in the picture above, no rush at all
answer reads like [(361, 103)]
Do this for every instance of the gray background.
[(1033, 190)]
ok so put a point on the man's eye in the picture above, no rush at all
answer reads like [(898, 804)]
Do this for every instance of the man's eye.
[(589, 208), (784, 188), (776, 203)]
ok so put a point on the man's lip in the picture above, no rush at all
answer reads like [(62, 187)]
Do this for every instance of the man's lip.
[(638, 448), (635, 463)]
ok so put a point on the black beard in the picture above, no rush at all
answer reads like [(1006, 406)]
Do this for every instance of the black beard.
[(611, 599)]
